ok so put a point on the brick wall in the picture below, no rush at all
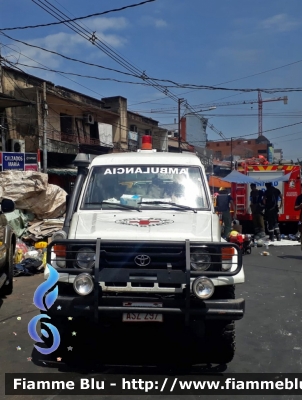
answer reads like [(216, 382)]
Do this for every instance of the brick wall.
[(240, 147)]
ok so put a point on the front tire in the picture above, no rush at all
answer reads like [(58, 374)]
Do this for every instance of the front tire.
[(220, 342), (7, 288), (220, 335)]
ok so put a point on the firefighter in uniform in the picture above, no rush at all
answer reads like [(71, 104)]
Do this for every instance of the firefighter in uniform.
[(223, 203), (270, 201), (257, 209), (298, 207)]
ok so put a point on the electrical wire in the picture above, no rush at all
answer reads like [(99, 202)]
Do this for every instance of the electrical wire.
[(85, 109), (103, 47), (253, 134), (72, 104), (176, 85), (77, 18), (106, 49), (82, 76), (192, 109), (68, 58)]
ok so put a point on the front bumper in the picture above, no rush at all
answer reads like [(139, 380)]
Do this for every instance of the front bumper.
[(84, 307), (99, 304)]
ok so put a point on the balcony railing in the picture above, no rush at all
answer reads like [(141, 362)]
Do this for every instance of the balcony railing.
[(72, 138)]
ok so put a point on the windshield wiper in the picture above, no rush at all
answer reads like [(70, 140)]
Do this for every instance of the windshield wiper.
[(115, 204), (170, 204)]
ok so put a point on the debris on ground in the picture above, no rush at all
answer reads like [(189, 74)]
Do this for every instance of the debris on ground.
[(39, 213), (29, 260), (38, 230), (31, 191)]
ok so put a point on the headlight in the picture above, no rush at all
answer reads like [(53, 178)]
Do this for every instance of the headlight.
[(227, 254), (83, 284), (200, 260), (59, 235), (203, 288), (225, 266), (61, 262), (85, 258)]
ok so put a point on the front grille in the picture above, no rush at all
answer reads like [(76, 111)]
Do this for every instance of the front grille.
[(167, 271), (159, 256), (123, 256)]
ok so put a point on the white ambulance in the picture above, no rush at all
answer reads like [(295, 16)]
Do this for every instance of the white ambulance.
[(141, 244)]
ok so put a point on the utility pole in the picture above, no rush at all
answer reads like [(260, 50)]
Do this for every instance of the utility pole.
[(45, 113), (260, 106), (2, 113), (179, 135), (231, 154)]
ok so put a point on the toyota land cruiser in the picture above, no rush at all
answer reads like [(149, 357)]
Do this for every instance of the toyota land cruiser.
[(141, 243)]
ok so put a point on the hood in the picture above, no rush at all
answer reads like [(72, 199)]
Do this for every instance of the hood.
[(146, 225)]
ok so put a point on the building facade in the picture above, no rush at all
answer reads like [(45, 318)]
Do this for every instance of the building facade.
[(71, 121), (58, 123), (239, 148)]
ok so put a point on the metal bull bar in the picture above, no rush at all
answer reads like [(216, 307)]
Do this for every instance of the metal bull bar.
[(101, 272)]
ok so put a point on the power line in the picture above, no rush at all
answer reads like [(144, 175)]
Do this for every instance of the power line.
[(80, 107), (91, 90), (77, 18), (86, 34), (68, 58), (44, 67), (141, 76), (81, 76), (157, 111), (104, 48), (260, 73), (253, 134)]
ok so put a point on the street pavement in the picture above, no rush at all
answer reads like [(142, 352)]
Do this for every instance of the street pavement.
[(269, 337)]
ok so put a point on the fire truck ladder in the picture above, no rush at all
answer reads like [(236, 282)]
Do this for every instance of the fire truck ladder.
[(240, 199)]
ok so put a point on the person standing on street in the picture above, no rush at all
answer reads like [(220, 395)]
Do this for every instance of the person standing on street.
[(270, 201), (257, 209), (223, 203), (298, 206)]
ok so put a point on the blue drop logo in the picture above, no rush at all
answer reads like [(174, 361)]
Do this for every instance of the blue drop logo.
[(43, 299)]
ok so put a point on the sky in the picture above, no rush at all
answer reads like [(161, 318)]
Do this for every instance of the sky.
[(205, 52)]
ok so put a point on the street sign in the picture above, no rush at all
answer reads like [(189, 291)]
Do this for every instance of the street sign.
[(31, 158), (13, 161)]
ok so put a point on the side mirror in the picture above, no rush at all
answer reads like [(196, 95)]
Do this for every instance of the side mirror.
[(7, 206)]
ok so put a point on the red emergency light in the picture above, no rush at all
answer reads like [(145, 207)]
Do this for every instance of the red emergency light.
[(146, 142)]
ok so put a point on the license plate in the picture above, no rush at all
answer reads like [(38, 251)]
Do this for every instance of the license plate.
[(142, 317)]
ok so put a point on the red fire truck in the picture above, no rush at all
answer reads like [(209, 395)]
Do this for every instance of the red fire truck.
[(260, 168)]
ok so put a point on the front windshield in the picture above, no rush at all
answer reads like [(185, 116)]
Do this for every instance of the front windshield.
[(136, 186)]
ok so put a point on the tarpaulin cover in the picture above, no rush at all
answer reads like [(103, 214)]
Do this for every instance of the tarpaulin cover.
[(218, 182), (238, 177)]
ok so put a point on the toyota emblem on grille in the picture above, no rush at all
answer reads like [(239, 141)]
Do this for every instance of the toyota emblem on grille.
[(142, 260)]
